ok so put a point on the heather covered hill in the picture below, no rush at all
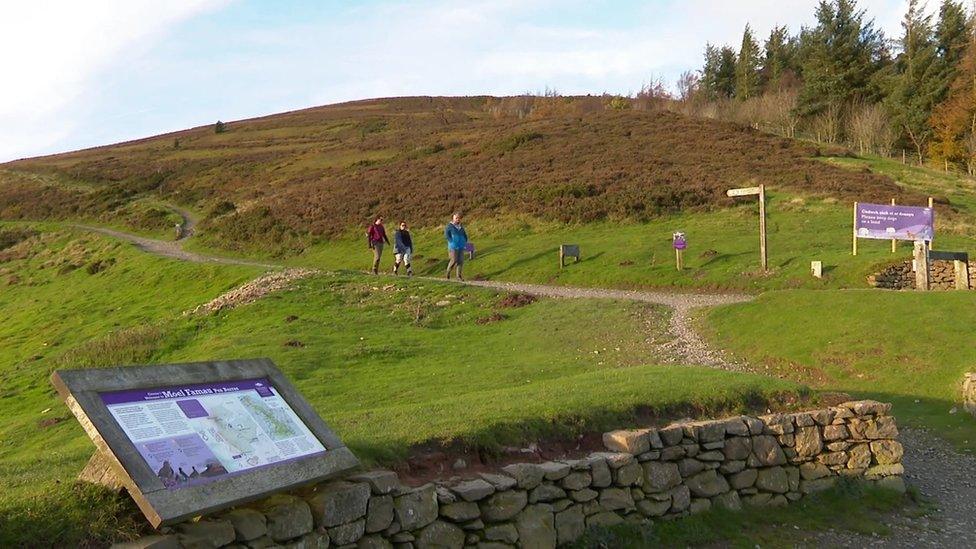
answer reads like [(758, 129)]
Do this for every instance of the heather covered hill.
[(317, 173)]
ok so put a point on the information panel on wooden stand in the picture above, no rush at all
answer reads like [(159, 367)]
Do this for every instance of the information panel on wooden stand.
[(188, 439)]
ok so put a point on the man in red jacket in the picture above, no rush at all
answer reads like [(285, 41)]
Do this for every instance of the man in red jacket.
[(376, 236)]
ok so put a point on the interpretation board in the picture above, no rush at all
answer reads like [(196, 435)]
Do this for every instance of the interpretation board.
[(189, 439)]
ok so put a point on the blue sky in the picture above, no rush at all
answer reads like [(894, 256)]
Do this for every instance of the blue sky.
[(80, 74)]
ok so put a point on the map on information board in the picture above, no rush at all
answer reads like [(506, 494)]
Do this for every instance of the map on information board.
[(192, 434)]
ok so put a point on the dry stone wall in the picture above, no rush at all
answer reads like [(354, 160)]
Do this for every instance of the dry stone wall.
[(900, 276), (969, 393), (645, 474)]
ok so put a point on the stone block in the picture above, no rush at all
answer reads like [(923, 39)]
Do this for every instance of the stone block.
[(767, 451), (570, 525), (690, 467), (737, 448), (835, 432), (773, 479), (546, 492), (500, 482), (345, 534), (339, 502), (813, 471), (887, 452), (729, 500), (536, 527), (503, 505), (616, 499), (585, 494), (379, 513), (578, 480), (248, 523), (628, 475), (743, 479), (859, 456), (506, 533), (808, 441), (374, 541), (671, 435), (680, 498), (213, 532), (440, 535), (884, 470), (526, 475), (417, 508), (699, 505), (632, 441), (660, 476), (473, 490), (460, 511), (379, 481), (651, 508), (600, 473), (604, 519), (817, 485), (707, 484)]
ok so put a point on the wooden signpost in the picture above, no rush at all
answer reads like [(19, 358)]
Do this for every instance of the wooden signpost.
[(761, 192), (680, 242)]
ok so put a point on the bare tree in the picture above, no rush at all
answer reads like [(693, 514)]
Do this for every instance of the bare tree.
[(653, 95), (827, 124), (869, 128), (779, 111)]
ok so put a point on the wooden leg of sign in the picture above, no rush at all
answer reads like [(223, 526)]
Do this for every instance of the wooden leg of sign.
[(854, 232), (921, 266), (894, 243), (678, 259), (762, 226), (100, 471), (933, 237), (562, 260)]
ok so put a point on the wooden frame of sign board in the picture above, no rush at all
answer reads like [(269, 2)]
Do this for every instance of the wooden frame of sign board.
[(81, 390)]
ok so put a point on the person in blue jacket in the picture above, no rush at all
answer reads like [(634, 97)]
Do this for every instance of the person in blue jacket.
[(456, 240)]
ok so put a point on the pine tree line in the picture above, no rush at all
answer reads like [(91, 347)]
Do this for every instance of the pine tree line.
[(843, 81)]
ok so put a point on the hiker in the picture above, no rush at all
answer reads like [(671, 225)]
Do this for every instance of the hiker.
[(376, 236), (402, 249), (456, 239)]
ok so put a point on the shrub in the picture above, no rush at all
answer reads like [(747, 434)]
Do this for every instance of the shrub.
[(219, 127)]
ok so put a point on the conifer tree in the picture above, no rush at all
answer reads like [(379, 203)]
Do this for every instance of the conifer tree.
[(778, 70), (841, 56), (747, 67), (914, 87)]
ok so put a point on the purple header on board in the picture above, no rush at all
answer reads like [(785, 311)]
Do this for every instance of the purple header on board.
[(262, 386), (888, 222)]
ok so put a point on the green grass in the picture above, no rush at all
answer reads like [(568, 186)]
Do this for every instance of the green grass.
[(852, 507), (723, 251), (907, 348), (385, 365)]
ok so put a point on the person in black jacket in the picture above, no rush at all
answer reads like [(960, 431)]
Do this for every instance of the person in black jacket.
[(402, 249)]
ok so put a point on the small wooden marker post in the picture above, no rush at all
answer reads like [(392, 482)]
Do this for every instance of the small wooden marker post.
[(679, 242), (761, 192), (816, 269)]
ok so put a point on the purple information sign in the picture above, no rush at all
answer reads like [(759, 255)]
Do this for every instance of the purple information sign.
[(894, 222), (192, 434), (679, 241)]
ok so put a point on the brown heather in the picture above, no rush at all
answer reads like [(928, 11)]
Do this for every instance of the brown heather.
[(320, 172)]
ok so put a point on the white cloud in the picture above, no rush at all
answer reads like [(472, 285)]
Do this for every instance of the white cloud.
[(53, 51)]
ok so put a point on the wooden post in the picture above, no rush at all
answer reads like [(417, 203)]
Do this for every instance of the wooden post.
[(929, 243), (894, 242), (762, 226), (921, 255), (816, 269), (961, 272), (854, 232), (678, 258)]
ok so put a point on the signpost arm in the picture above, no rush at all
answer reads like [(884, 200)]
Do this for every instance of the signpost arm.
[(854, 232), (762, 225)]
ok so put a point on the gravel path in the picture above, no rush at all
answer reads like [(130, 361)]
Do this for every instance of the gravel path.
[(687, 347), (945, 479), (172, 249)]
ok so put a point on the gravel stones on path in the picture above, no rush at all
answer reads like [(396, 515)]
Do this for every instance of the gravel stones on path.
[(945, 479)]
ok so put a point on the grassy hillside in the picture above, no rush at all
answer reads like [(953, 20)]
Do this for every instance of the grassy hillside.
[(903, 347), (380, 360), (280, 182)]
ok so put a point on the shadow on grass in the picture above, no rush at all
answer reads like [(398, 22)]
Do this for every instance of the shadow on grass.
[(852, 505)]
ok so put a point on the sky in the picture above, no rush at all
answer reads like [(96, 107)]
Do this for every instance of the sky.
[(82, 74)]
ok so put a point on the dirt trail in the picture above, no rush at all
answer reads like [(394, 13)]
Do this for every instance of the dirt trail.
[(688, 347), (173, 249)]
